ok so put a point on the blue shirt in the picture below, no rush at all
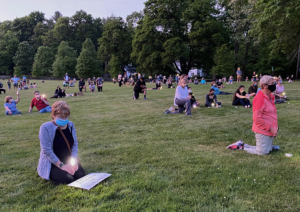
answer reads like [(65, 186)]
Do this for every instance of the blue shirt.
[(258, 90), (203, 81), (12, 106), (217, 91), (15, 80), (24, 77), (181, 93), (67, 78)]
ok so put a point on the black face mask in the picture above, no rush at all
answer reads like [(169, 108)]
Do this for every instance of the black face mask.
[(272, 88)]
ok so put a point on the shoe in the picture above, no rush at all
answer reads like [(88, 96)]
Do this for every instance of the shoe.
[(145, 98), (237, 145), (167, 112)]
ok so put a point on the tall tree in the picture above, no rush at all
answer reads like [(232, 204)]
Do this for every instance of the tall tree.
[(8, 47), (224, 60), (43, 61), (65, 61), (116, 40), (114, 66), (87, 63), (189, 31), (23, 59)]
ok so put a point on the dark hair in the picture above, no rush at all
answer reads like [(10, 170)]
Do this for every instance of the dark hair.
[(210, 90), (237, 91), (143, 78), (35, 92), (189, 87)]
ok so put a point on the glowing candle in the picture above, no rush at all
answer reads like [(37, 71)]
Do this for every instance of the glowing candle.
[(213, 105), (194, 106), (43, 95), (73, 161), (283, 94)]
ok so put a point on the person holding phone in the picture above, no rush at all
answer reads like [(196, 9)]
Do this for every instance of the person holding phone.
[(10, 105), (59, 146), (40, 102)]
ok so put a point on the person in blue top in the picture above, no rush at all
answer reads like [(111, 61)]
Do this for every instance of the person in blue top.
[(203, 81), (217, 91), (24, 78), (67, 78), (15, 81), (10, 105)]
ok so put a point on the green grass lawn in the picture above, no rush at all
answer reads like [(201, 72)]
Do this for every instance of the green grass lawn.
[(158, 162)]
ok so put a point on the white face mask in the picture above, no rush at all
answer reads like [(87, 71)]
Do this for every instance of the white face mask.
[(11, 100), (190, 91)]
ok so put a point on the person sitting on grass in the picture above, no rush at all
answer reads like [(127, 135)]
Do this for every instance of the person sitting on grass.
[(194, 102), (71, 84), (220, 84), (280, 96), (2, 88), (31, 86), (211, 98), (140, 87), (265, 125), (182, 98), (58, 93), (158, 85), (114, 80), (10, 105), (170, 84), (196, 82), (217, 90), (230, 81), (34, 85), (253, 89), (55, 162), (247, 79), (92, 87), (203, 81), (241, 98), (40, 103)]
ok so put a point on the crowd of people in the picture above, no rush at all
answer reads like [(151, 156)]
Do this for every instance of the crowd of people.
[(59, 147)]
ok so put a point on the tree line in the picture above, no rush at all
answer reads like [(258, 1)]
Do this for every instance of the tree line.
[(167, 37)]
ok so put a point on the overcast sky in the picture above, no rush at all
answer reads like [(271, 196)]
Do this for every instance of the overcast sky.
[(10, 9)]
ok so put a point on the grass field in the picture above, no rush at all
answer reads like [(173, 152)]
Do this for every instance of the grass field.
[(158, 162)]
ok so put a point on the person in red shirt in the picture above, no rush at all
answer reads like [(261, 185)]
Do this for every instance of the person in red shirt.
[(40, 103), (265, 125)]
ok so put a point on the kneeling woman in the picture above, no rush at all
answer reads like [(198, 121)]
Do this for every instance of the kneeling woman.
[(182, 98), (56, 151), (241, 98)]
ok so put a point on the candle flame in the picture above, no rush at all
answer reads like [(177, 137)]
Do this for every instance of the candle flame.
[(72, 162)]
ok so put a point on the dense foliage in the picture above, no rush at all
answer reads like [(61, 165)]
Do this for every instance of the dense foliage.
[(166, 37)]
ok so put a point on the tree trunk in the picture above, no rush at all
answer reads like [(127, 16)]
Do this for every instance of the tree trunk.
[(245, 59), (298, 63)]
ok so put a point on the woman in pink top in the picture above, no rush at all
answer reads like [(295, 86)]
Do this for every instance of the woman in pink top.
[(265, 124)]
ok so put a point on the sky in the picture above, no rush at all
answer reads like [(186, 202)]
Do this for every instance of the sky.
[(12, 9)]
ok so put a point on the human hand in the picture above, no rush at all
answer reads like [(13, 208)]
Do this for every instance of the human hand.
[(274, 131), (18, 93), (75, 167), (217, 105), (68, 168), (10, 113)]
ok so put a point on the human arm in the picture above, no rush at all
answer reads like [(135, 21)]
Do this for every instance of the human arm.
[(45, 101), (7, 109), (31, 105), (18, 98)]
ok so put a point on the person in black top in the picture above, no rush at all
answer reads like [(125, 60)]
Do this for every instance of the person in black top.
[(220, 84), (194, 102), (1, 88), (254, 76), (8, 84), (81, 85), (241, 98), (140, 87), (211, 98), (58, 93)]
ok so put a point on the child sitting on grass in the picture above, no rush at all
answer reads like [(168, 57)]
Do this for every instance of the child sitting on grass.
[(194, 102)]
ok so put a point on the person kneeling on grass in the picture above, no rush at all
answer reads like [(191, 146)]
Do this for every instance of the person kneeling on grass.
[(92, 87), (182, 97), (40, 103), (211, 98), (265, 125), (1, 88), (140, 87), (59, 145), (241, 98), (10, 105)]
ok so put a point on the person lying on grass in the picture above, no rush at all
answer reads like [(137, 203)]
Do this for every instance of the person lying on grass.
[(40, 102), (158, 86), (211, 98), (265, 125), (10, 105), (241, 98), (217, 90), (55, 156)]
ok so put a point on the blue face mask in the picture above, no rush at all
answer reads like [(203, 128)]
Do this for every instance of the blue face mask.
[(280, 81), (255, 85), (61, 122)]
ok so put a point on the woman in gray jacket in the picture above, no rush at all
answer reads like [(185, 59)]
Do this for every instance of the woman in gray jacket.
[(56, 162)]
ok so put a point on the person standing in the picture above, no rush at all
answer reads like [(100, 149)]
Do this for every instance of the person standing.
[(254, 76), (81, 85), (8, 84), (15, 81), (238, 75), (66, 79), (140, 87), (40, 103), (99, 84)]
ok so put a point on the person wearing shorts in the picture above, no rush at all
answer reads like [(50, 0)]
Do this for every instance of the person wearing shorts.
[(239, 75), (15, 81)]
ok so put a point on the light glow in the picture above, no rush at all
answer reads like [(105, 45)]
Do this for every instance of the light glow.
[(73, 162)]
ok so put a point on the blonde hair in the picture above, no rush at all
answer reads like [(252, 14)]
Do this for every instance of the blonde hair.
[(7, 98), (61, 109), (265, 80)]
